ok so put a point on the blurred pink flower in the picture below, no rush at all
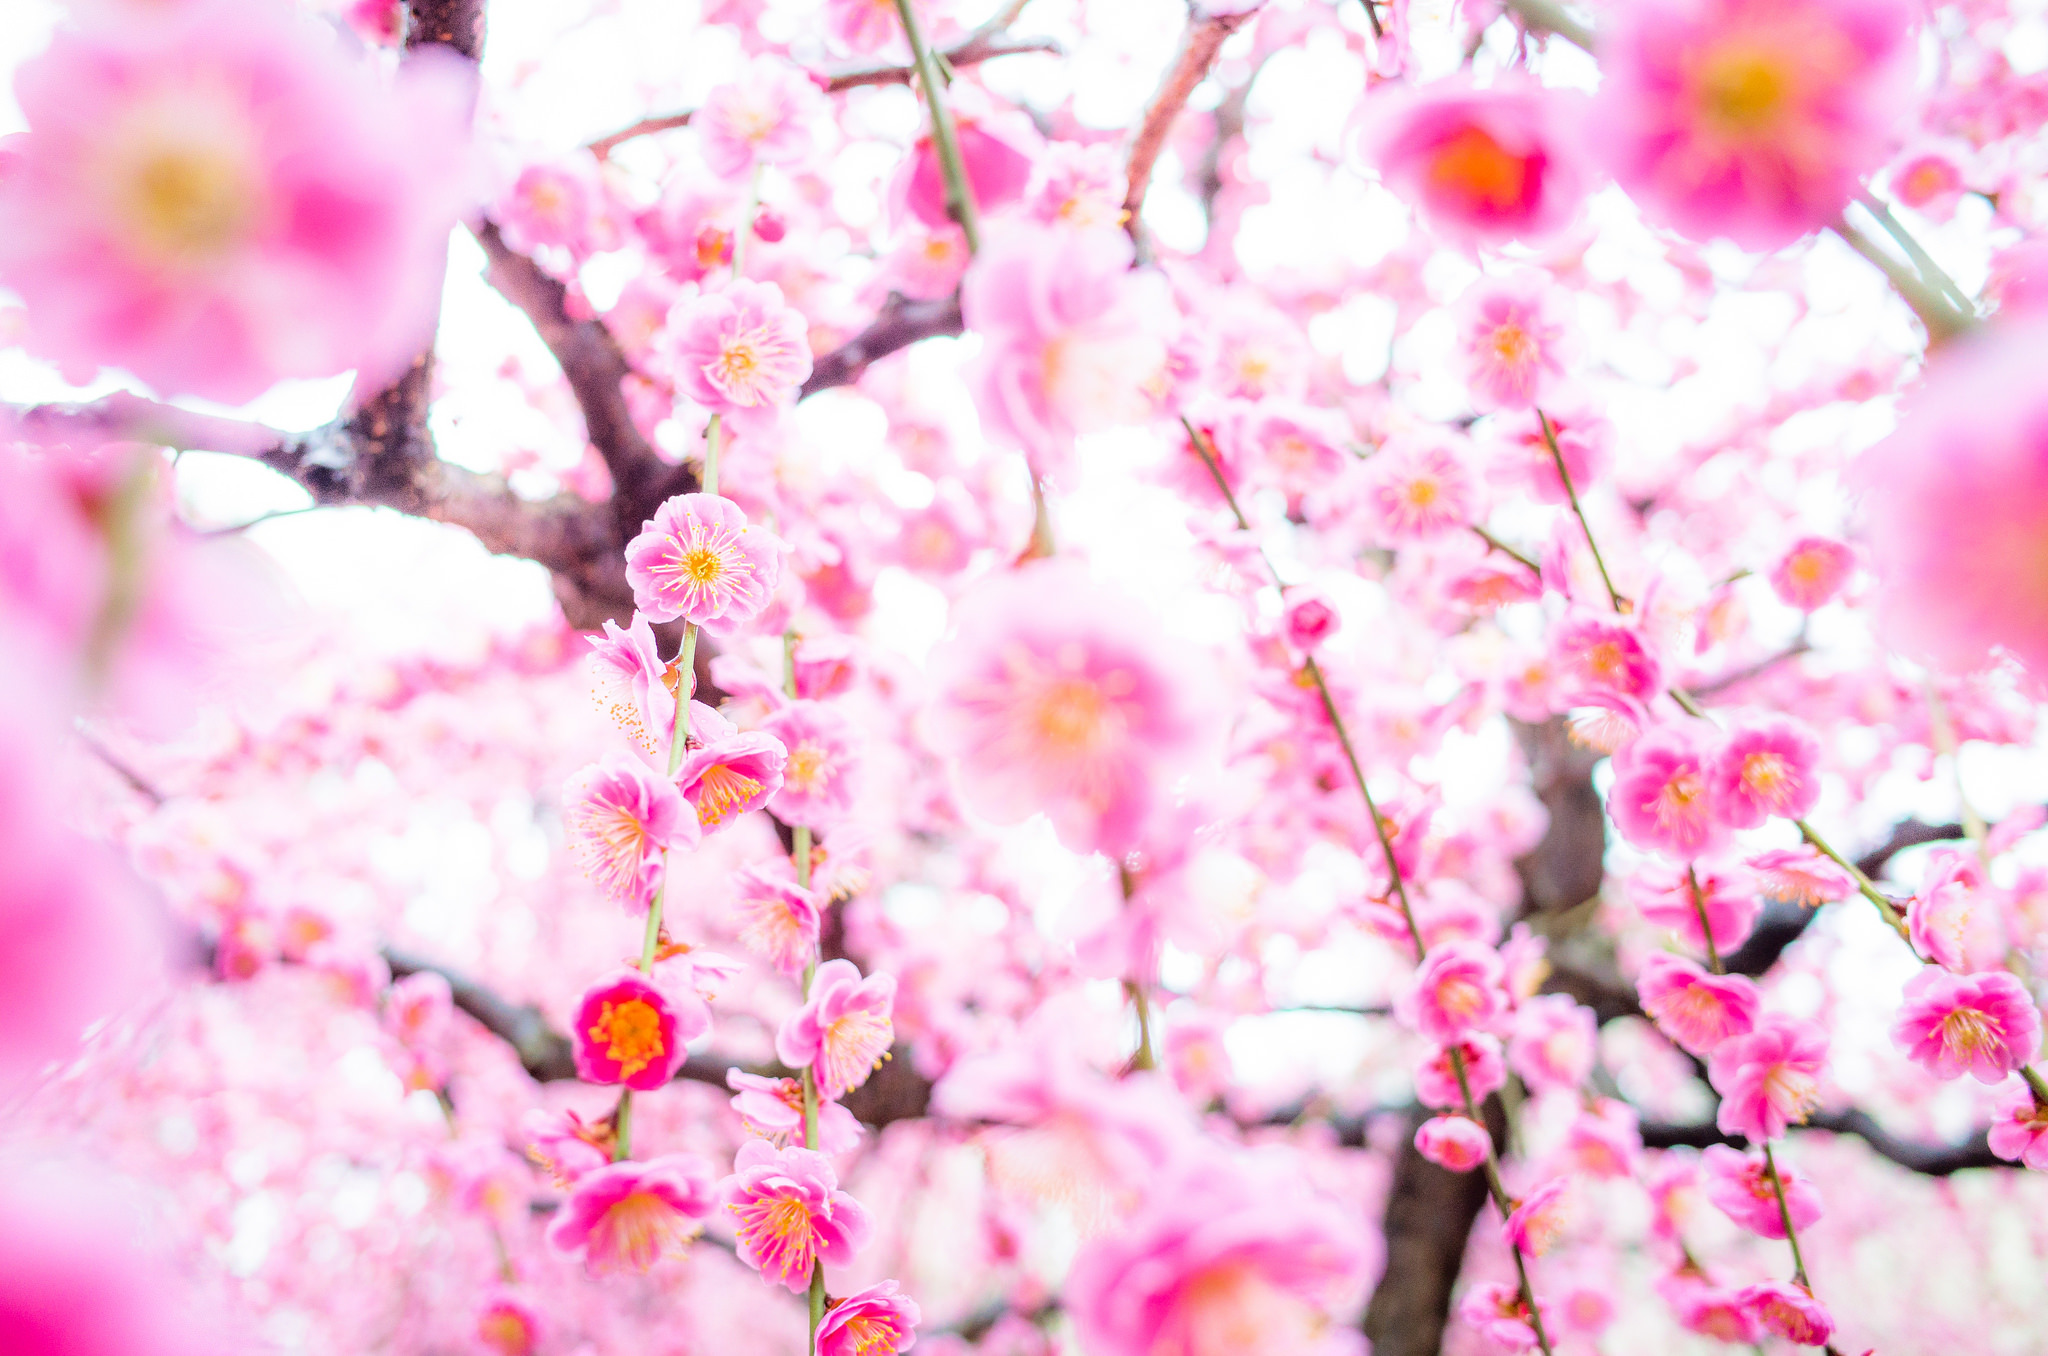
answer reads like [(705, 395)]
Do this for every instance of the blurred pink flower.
[(1458, 991), (1800, 876), (1495, 1310), (863, 26), (1538, 1220), (1309, 619), (220, 198), (1764, 767), (1750, 119), (1513, 341), (1521, 453), (628, 1216), (563, 1146), (1454, 1142), (1661, 799), (1984, 1025), (788, 1213), (877, 1321), (508, 1325), (620, 817), (1770, 1078), (1599, 654), (739, 348), (627, 1030), (1812, 571), (818, 777), (1486, 1072), (1932, 178), (1738, 1185), (419, 1009), (1957, 917), (560, 205), (1418, 487), (997, 171), (764, 117), (1484, 165), (2019, 1134), (1788, 1311), (1695, 1009), (1553, 1042), (700, 560), (778, 920), (730, 776), (843, 1031), (773, 1108)]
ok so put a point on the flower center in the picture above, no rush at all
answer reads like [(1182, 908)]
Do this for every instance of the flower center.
[(1676, 802), (640, 1230), (702, 565), (1475, 166), (807, 768), (1766, 775), (1513, 346), (1071, 714), (778, 1228), (1966, 1031), (505, 1332), (722, 792), (1422, 493), (630, 1033), (854, 1045), (871, 1336), (187, 204), (1743, 89), (1792, 1092)]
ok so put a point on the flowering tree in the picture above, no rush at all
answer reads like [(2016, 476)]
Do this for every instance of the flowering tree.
[(1269, 677)]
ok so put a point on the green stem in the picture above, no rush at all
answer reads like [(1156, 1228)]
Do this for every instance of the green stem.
[(959, 197), (817, 1300), (1497, 1188), (1143, 1058), (1614, 597), (1699, 907), (1497, 544), (1936, 312), (712, 436), (622, 1139), (1785, 1215), (1922, 260)]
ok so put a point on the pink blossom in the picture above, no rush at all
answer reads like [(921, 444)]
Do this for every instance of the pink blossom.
[(764, 117), (1486, 1072), (842, 1032), (1812, 571), (1661, 798), (863, 25), (1800, 876), (1484, 165), (220, 199), (630, 1215), (1309, 620), (926, 265), (1496, 1311), (997, 171), (627, 1030), (1458, 991), (1553, 1042), (698, 559), (560, 205), (508, 1325), (563, 1146), (1598, 654), (1788, 1311), (419, 1008), (1293, 446), (1454, 1142), (1750, 119), (737, 349), (1768, 1079), (620, 818), (2020, 1132), (773, 1108), (1697, 1010), (1708, 1309), (1605, 1140), (877, 1321), (1521, 452), (1932, 178), (818, 778), (633, 686), (1984, 1025), (1418, 487), (823, 666), (1957, 917), (1063, 696), (789, 1213), (1080, 186), (778, 919), (730, 776), (1539, 1218), (1737, 1183), (1512, 341), (1765, 767)]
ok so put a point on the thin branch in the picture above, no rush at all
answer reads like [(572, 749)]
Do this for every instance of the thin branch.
[(900, 323), (1740, 676), (1548, 16), (1204, 37), (1930, 1160), (1940, 316), (138, 783)]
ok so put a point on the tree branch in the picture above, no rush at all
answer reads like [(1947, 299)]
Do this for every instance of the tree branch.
[(1429, 1216), (1204, 37), (1930, 1160), (900, 323)]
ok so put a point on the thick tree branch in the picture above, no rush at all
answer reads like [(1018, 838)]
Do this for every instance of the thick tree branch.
[(1204, 37), (1931, 1160), (900, 323), (1429, 1216)]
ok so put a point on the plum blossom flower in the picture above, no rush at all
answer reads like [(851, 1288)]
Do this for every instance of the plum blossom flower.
[(789, 1213), (1957, 917), (843, 1029), (229, 203), (1661, 798), (817, 778), (1695, 1009), (738, 349), (1418, 487), (419, 1009), (778, 919), (1788, 1311), (862, 25), (1770, 1078), (1932, 178), (1484, 165), (698, 559), (1539, 1218), (1458, 1143), (1486, 1072), (1512, 341), (1495, 1309), (1295, 447), (1597, 654), (1062, 696), (1309, 619), (1605, 1140), (2020, 1132), (764, 117), (1521, 453), (1765, 767), (998, 169), (565, 1147), (620, 817), (1738, 1184), (773, 1108), (1984, 1025), (1800, 876), (1708, 1309), (877, 1321), (507, 1325), (1553, 1042), (628, 1216), (633, 687), (1812, 571), (1750, 119), (730, 776), (1458, 991), (558, 204), (628, 1031)]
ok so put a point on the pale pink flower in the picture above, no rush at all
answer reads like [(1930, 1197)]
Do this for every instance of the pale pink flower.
[(877, 1321), (764, 117), (789, 1213), (1765, 767), (1957, 917), (1079, 186), (773, 1108), (926, 265), (1770, 1078), (1984, 1025), (1496, 1311), (730, 776), (2020, 1132), (633, 686), (1737, 1183), (1458, 991), (507, 1325), (1695, 1009), (1932, 178), (818, 778), (560, 205), (843, 1030), (1309, 619), (1750, 119), (1812, 571), (778, 920), (1553, 1043), (1520, 452), (1486, 1072), (1063, 696), (628, 1216), (737, 349), (1457, 1143), (223, 199), (1512, 340), (563, 1145), (620, 817), (1295, 447), (1675, 897), (1800, 876), (1604, 1140), (864, 26), (823, 666), (627, 1030), (1708, 1309), (700, 560), (1593, 653), (1538, 1220), (1661, 798), (419, 1009), (1419, 487), (1484, 165), (1788, 1311)]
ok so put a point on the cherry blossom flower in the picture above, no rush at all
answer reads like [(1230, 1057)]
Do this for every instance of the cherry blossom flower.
[(629, 1216), (1486, 1072), (1957, 917), (1309, 619), (764, 117), (1553, 1042), (1768, 1079), (699, 560), (1800, 876), (1458, 991), (1495, 1309), (818, 776), (1520, 452), (1737, 1183), (507, 1325), (1984, 1025), (1788, 1311), (221, 199), (843, 1029), (738, 349), (1765, 767), (778, 919), (1597, 654), (877, 1321), (1454, 1142), (633, 687), (2019, 1134), (1750, 119), (1662, 798), (1418, 487), (1512, 341), (730, 776), (627, 1030), (789, 1213), (1696, 1010), (1812, 571), (773, 1108), (620, 817), (1538, 1220)]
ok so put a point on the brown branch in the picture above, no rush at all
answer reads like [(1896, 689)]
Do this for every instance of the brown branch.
[(899, 324), (456, 24), (1429, 1216), (1930, 1160), (1197, 53), (1715, 686)]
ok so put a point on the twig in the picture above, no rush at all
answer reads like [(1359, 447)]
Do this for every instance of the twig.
[(899, 324), (1197, 53)]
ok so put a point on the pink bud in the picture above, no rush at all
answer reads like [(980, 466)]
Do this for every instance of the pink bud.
[(769, 225)]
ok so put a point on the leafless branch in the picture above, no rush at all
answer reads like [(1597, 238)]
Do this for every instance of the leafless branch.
[(1931, 1160), (900, 323), (1204, 37), (1716, 686)]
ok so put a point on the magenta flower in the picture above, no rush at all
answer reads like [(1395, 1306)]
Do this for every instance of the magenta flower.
[(998, 170), (1661, 798), (1812, 572), (877, 1321), (1984, 1025), (1436, 1081), (764, 117), (1459, 991), (1957, 917), (507, 1325), (231, 202), (773, 1108), (1419, 487), (789, 1213), (843, 1029), (698, 559), (633, 686), (1539, 1218), (628, 1216), (778, 919), (731, 776), (1484, 165), (1765, 767), (1695, 1009), (1512, 341), (1309, 619), (1454, 1142), (1553, 1045), (817, 779), (620, 817), (1598, 654), (1787, 1311), (1737, 1183), (1495, 1310), (1750, 119), (739, 348), (628, 1031), (2020, 1133), (1770, 1078)]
